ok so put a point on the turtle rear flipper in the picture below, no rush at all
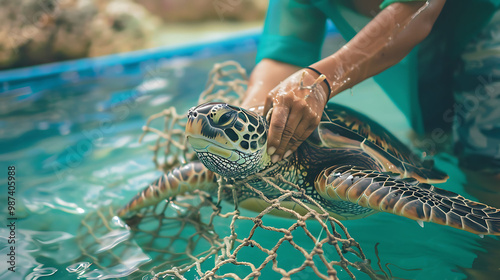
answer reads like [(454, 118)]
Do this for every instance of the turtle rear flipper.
[(387, 192)]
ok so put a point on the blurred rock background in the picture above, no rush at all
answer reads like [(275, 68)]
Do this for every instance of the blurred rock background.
[(42, 31)]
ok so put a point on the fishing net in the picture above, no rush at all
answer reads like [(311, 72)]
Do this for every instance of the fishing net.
[(200, 236)]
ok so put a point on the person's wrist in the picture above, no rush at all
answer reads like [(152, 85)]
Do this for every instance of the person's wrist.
[(325, 84)]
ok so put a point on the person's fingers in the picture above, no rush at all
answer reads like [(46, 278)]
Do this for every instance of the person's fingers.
[(294, 119), (299, 136), (304, 129), (276, 126), (293, 146), (268, 103)]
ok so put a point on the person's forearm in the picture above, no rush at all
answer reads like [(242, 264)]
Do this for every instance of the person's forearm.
[(382, 43), (266, 75)]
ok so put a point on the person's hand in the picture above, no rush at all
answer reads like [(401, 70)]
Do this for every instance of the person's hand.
[(297, 105)]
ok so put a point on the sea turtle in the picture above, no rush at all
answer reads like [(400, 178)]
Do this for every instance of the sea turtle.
[(351, 165)]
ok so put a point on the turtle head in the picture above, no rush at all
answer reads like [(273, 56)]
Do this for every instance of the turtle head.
[(229, 140)]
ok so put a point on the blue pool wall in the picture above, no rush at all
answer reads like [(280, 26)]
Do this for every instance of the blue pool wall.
[(129, 63)]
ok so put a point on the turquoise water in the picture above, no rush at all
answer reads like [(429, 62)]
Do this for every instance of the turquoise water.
[(74, 144)]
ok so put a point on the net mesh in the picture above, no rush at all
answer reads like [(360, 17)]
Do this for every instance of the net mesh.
[(195, 236)]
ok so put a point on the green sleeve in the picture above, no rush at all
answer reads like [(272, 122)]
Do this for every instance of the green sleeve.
[(293, 33), (385, 3), (388, 2)]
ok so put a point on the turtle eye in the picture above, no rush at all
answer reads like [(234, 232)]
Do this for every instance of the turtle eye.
[(227, 118)]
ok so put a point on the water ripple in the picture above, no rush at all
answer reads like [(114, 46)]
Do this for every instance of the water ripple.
[(40, 271)]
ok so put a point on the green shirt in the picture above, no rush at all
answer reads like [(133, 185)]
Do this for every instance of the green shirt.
[(294, 31)]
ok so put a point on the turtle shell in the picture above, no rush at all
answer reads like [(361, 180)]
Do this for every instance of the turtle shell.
[(343, 128)]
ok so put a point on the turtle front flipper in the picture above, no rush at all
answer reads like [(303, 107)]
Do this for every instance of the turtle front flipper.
[(387, 192), (187, 178)]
